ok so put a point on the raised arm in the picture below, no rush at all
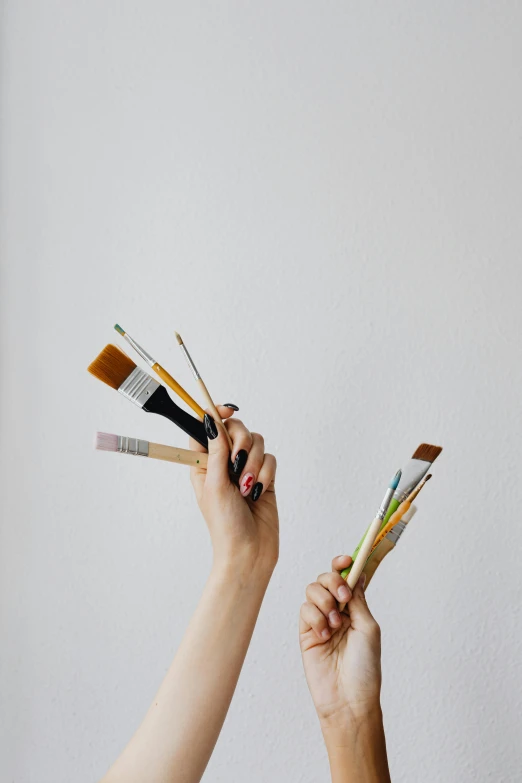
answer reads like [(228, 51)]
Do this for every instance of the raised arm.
[(342, 662), (177, 736)]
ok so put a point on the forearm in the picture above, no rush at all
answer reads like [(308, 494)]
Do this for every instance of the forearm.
[(357, 750), (177, 737)]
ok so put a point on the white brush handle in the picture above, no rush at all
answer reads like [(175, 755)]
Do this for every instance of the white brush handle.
[(362, 555)]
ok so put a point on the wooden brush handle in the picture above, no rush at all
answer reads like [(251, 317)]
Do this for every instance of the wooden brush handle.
[(376, 558), (362, 556), (180, 391), (213, 409), (183, 456)]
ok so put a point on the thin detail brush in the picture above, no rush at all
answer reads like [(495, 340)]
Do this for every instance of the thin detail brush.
[(360, 561), (199, 380), (118, 371), (143, 448), (162, 373)]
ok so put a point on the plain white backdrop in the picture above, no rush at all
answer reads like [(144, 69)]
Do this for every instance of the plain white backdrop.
[(325, 200)]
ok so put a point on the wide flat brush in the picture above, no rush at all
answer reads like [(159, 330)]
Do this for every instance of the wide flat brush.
[(106, 441), (118, 371), (162, 373)]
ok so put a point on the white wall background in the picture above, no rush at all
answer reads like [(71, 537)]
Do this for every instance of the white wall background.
[(325, 199)]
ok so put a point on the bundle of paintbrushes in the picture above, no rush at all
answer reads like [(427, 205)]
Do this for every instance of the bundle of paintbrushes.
[(395, 512), (117, 370)]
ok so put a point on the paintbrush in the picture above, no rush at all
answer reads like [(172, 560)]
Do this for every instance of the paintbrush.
[(423, 458), (163, 374), (359, 562), (403, 508), (388, 543), (143, 448), (117, 370), (199, 380)]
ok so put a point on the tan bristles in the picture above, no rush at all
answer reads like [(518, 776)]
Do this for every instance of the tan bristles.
[(111, 366), (178, 338), (427, 453)]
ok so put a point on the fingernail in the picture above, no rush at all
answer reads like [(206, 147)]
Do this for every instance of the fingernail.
[(334, 617), (240, 461), (210, 427), (246, 484), (231, 405), (326, 633), (344, 593), (256, 492)]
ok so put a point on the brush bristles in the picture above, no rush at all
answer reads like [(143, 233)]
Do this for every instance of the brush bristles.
[(427, 453), (178, 338), (119, 330), (111, 366), (106, 442)]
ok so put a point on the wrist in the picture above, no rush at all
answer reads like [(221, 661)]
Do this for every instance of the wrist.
[(242, 571), (351, 718)]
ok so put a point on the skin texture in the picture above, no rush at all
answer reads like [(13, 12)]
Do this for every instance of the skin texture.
[(342, 661), (178, 734)]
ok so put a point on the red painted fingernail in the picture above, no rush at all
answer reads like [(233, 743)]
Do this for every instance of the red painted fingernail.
[(246, 484)]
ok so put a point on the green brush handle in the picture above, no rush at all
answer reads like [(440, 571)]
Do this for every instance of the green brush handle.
[(392, 508)]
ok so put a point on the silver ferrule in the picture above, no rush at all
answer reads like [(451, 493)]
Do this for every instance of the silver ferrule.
[(396, 532), (138, 387), (414, 471), (191, 364), (140, 448), (385, 503), (142, 352)]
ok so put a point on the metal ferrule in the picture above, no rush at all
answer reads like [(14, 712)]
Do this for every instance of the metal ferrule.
[(414, 471), (396, 532), (192, 366), (138, 387), (385, 503), (142, 352), (140, 448)]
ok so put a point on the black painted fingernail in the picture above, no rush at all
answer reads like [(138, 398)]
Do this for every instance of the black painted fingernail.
[(240, 461), (231, 405), (210, 427), (256, 492)]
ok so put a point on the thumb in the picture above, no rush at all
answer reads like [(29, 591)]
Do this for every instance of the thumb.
[(218, 453), (360, 614)]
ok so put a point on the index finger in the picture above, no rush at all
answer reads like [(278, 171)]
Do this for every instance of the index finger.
[(341, 562)]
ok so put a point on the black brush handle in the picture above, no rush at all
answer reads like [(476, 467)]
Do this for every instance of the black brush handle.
[(161, 403)]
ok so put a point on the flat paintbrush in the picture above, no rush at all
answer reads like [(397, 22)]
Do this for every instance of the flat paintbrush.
[(118, 371), (162, 373), (143, 448)]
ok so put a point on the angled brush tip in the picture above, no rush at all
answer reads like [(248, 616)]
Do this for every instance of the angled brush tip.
[(395, 480), (426, 452), (178, 338), (112, 366), (119, 330), (105, 441)]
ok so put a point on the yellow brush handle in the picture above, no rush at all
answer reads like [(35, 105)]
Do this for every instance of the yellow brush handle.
[(180, 391), (182, 456), (403, 508)]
